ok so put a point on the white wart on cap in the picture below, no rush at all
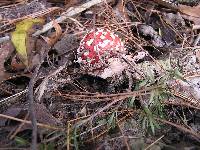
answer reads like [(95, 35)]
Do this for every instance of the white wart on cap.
[(99, 52)]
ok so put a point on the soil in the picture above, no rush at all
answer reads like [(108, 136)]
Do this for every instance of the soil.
[(153, 103)]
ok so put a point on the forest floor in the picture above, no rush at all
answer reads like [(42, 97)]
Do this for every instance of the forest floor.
[(54, 96)]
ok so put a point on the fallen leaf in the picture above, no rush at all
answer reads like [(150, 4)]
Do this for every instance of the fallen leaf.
[(13, 111), (40, 50), (190, 13), (55, 36), (5, 51), (16, 64), (19, 37), (42, 115)]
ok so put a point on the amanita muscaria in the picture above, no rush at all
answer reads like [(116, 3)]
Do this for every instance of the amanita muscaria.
[(100, 53)]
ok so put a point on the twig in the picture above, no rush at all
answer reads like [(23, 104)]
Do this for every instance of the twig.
[(196, 27), (125, 94), (149, 146), (65, 15), (69, 13), (32, 109), (68, 136), (44, 52), (124, 137), (100, 110), (176, 103), (180, 128), (106, 130), (29, 122), (19, 127), (42, 87), (13, 96)]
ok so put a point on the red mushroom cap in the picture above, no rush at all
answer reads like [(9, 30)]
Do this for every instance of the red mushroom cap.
[(97, 47)]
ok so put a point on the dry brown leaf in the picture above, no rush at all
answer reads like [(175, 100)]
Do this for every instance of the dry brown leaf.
[(40, 47), (43, 115), (190, 13), (13, 111), (71, 3), (55, 36), (5, 51), (120, 12)]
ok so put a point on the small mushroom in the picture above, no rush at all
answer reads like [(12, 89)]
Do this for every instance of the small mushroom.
[(100, 53)]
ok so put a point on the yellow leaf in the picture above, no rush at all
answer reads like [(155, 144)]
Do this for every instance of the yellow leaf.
[(19, 36)]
